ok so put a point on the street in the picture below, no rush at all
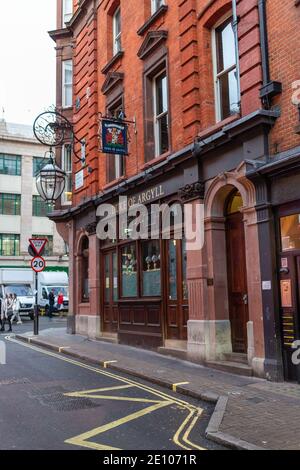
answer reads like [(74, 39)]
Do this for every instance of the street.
[(53, 402)]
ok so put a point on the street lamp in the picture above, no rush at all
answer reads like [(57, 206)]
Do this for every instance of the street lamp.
[(51, 181)]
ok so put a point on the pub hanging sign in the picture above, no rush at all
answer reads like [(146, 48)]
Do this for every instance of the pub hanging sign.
[(114, 137)]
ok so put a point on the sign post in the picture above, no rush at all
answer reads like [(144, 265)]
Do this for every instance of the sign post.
[(36, 308), (38, 264)]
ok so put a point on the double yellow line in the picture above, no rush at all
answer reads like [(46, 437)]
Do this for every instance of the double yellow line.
[(181, 437)]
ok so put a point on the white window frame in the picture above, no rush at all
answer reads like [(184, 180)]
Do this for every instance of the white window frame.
[(215, 68), (157, 117), (117, 36), (155, 5), (119, 163), (65, 85), (66, 14), (68, 172)]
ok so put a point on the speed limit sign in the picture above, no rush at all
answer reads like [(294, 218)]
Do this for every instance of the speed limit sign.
[(38, 264)]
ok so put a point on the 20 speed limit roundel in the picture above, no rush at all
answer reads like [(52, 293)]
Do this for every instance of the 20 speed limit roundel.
[(38, 264)]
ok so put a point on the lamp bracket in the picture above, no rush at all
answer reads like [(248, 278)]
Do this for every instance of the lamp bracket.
[(53, 129)]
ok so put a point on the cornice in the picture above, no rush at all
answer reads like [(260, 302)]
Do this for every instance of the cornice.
[(60, 34), (112, 62)]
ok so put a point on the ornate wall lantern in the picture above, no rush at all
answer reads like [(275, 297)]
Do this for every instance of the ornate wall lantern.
[(51, 181), (54, 130)]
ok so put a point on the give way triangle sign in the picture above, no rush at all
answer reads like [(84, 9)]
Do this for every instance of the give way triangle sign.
[(38, 244)]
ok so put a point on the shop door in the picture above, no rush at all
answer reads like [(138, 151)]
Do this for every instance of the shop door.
[(177, 293), (289, 276), (290, 317), (110, 310), (237, 281)]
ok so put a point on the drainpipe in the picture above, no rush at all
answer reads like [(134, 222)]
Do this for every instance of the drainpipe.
[(236, 42), (263, 31), (270, 88)]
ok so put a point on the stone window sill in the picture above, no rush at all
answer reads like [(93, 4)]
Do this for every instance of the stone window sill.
[(152, 20), (156, 160), (218, 126), (114, 183), (112, 62)]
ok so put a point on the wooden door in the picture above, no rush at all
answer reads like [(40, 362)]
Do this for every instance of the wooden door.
[(110, 310), (237, 281), (177, 309)]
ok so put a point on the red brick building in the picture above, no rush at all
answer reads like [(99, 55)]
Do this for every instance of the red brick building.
[(197, 82), (277, 186)]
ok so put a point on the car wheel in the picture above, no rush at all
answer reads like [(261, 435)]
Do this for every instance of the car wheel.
[(31, 315)]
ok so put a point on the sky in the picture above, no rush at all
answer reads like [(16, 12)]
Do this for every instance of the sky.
[(27, 59)]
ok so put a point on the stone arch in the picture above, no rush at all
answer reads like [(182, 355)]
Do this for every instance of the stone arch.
[(79, 240), (216, 254), (222, 185)]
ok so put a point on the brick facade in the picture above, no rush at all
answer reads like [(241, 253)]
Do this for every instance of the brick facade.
[(284, 36), (206, 160), (192, 102)]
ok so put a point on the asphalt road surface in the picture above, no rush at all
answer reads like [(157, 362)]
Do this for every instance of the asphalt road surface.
[(51, 402)]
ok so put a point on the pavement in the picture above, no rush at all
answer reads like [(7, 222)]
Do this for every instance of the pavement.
[(249, 413)]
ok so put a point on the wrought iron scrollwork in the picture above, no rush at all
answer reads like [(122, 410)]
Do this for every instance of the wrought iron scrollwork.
[(53, 129)]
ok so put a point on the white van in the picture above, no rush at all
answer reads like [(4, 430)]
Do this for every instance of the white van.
[(53, 281), (19, 282)]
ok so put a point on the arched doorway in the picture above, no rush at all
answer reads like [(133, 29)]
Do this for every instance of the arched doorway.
[(236, 272)]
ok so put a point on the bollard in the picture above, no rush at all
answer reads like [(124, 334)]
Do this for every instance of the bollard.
[(2, 353)]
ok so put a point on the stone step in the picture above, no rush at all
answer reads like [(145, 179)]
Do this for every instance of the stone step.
[(108, 339), (175, 352), (236, 357), (232, 367)]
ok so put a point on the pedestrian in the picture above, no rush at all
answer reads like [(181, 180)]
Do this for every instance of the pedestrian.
[(16, 310), (6, 312), (60, 303), (51, 303)]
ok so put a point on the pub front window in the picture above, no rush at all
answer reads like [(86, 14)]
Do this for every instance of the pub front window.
[(129, 271), (85, 294), (172, 270), (151, 270), (290, 232)]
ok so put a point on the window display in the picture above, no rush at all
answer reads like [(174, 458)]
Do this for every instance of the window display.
[(129, 271), (151, 269), (290, 232)]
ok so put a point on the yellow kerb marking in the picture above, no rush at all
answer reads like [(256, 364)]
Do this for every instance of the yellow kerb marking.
[(61, 348), (174, 386), (105, 364)]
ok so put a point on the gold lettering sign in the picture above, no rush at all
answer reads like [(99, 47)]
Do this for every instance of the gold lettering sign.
[(146, 196), (286, 293)]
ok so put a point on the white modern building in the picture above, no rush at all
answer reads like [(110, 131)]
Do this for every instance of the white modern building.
[(23, 214)]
